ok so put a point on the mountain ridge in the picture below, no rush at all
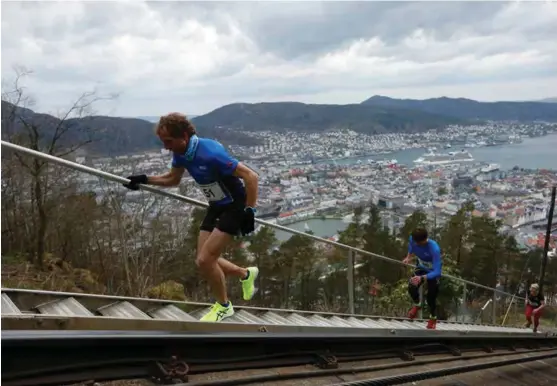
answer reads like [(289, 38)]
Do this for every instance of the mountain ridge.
[(376, 115), (108, 136), (464, 108), (547, 100), (298, 116), (155, 118)]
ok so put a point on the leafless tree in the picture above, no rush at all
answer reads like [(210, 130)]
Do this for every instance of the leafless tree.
[(59, 137)]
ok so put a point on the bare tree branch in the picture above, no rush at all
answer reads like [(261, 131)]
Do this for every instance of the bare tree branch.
[(36, 128)]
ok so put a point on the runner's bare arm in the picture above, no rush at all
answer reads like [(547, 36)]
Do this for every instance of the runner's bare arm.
[(172, 178), (251, 180)]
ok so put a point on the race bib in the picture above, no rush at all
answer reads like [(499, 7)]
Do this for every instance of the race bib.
[(213, 192)]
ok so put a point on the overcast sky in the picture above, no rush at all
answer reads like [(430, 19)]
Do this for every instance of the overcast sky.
[(194, 57)]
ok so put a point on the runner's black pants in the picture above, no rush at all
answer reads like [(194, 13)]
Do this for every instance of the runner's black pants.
[(431, 297)]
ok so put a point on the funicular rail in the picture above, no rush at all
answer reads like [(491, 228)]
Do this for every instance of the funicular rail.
[(73, 337), (56, 357), (24, 309)]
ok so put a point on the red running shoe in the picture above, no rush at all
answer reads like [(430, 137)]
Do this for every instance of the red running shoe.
[(413, 312)]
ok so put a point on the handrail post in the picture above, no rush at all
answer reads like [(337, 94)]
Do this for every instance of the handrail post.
[(547, 238), (494, 309), (463, 306), (508, 309), (350, 273), (421, 309), (516, 312)]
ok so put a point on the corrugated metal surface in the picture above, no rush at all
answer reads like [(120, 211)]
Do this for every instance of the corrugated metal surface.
[(171, 312), (124, 310), (64, 307), (149, 309), (8, 307)]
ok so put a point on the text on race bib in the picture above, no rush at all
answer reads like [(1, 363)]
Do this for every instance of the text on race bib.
[(213, 192)]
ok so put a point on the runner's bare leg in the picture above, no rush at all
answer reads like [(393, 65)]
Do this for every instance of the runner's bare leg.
[(207, 261), (229, 268)]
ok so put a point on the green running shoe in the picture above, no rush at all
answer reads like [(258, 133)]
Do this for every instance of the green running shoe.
[(248, 287), (218, 312)]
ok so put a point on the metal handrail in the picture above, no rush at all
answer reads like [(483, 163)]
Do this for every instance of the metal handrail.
[(179, 197)]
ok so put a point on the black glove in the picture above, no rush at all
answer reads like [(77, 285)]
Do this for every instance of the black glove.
[(248, 221), (135, 181)]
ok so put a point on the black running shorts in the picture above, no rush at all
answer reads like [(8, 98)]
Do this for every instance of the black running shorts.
[(226, 218)]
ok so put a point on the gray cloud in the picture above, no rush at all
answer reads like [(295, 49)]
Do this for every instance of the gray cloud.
[(196, 56), (300, 29)]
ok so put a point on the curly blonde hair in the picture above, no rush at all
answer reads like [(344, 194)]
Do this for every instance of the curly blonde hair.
[(175, 124)]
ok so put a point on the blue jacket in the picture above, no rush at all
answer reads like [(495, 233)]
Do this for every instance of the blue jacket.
[(429, 258), (212, 168)]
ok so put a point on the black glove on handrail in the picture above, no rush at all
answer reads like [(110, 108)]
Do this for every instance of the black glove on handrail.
[(135, 181)]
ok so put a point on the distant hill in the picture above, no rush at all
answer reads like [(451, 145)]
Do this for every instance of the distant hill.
[(471, 109), (296, 116), (155, 118), (111, 135), (152, 119), (548, 100)]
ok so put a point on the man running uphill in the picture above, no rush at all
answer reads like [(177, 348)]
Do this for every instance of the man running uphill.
[(535, 303), (231, 203), (428, 268)]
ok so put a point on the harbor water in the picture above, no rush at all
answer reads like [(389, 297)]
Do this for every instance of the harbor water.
[(532, 153)]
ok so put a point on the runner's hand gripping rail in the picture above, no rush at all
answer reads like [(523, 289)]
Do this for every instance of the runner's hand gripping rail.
[(135, 181)]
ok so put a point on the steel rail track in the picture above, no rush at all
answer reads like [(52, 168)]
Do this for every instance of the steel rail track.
[(324, 376), (424, 375), (61, 357)]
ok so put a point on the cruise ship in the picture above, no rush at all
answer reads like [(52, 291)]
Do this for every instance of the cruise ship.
[(433, 158), (490, 168)]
